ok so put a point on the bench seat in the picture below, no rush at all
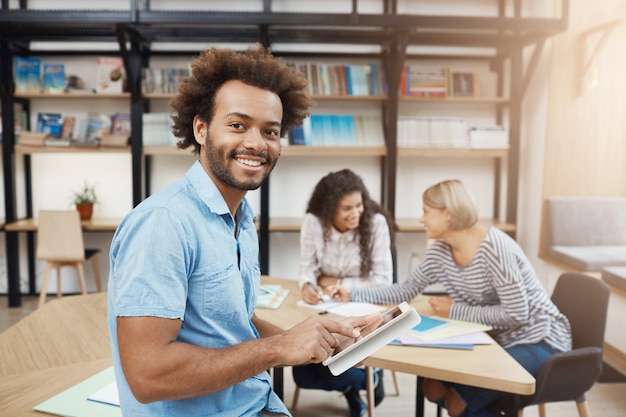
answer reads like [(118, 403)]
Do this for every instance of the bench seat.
[(585, 233), (615, 276)]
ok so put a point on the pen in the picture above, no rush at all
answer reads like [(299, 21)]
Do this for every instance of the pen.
[(322, 297), (339, 278)]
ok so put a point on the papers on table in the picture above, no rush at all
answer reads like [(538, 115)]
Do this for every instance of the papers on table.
[(271, 296), (107, 395), (74, 401), (454, 334), (344, 309)]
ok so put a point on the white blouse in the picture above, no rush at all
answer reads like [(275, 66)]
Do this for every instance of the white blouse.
[(342, 254)]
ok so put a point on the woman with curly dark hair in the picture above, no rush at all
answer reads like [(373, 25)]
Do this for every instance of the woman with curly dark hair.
[(344, 238), (185, 270)]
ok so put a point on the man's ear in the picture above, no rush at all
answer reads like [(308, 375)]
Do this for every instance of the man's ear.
[(200, 130)]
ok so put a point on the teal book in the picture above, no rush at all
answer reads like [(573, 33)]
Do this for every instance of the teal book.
[(27, 75), (53, 77)]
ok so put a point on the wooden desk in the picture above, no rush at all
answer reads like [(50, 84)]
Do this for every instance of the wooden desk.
[(21, 392), (63, 331), (97, 224), (486, 366)]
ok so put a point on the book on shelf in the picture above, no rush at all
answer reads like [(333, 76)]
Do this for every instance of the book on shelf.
[(114, 141), (57, 141), (110, 75), (162, 80), (98, 124), (432, 132), (54, 77), (342, 80), (157, 129), (30, 138), (50, 123), (120, 124), (416, 81), (338, 130), (67, 129), (489, 137), (27, 75), (463, 84)]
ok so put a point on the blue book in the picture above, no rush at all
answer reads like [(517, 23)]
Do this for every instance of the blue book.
[(53, 77), (27, 75), (428, 324)]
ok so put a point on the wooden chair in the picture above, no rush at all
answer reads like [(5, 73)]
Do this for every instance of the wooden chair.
[(60, 243)]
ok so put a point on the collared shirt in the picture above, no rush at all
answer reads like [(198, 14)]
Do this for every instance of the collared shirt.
[(320, 257), (176, 256), (499, 287)]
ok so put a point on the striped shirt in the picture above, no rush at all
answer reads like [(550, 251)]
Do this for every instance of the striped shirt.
[(499, 288)]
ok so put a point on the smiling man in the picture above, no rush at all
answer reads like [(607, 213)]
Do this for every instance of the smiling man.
[(184, 263)]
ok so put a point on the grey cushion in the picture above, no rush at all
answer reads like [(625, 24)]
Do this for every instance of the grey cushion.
[(586, 221), (590, 258), (615, 275)]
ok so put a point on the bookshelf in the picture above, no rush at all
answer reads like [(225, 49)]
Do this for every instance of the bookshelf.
[(383, 33)]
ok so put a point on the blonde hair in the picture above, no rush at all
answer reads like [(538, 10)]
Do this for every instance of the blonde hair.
[(451, 195)]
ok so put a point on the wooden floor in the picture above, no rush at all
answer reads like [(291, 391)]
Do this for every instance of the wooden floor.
[(605, 399)]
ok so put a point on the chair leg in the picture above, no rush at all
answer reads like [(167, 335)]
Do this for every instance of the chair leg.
[(296, 395), (395, 383), (583, 409), (44, 284), (542, 410), (59, 290), (96, 272), (81, 277), (369, 386)]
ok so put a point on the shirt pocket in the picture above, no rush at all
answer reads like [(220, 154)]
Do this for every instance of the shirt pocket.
[(223, 293)]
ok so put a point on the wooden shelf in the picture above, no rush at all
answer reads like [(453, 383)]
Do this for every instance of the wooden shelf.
[(414, 225), (452, 153), (298, 150), (170, 150), (28, 149), (72, 96), (448, 100), (97, 224)]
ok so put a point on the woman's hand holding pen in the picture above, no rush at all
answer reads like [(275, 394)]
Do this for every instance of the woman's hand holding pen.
[(312, 294), (339, 293)]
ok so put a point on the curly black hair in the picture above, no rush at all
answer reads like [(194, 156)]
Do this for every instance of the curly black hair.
[(255, 66), (324, 202)]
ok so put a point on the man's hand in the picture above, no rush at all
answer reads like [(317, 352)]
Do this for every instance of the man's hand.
[(314, 339)]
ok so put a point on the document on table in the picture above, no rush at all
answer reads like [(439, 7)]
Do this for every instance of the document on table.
[(74, 401), (344, 309)]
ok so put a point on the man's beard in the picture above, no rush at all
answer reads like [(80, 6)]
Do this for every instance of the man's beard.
[(218, 164)]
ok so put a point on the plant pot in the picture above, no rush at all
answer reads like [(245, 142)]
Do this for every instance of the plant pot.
[(85, 210)]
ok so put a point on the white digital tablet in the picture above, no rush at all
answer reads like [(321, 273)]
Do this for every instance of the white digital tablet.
[(395, 322)]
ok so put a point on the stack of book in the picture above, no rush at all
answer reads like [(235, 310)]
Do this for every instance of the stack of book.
[(489, 137), (339, 130), (162, 80), (433, 132), (342, 80)]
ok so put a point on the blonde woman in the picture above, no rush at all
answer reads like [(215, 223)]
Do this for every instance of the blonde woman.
[(489, 280)]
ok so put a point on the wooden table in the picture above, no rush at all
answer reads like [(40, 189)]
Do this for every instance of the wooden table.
[(66, 341), (486, 366), (54, 348), (64, 331), (29, 225)]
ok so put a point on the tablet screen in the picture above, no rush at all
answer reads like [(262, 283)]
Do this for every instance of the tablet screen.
[(370, 328)]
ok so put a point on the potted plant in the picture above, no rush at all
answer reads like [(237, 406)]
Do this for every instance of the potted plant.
[(84, 199)]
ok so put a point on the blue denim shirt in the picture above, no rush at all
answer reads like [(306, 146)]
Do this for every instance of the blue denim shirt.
[(175, 256)]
